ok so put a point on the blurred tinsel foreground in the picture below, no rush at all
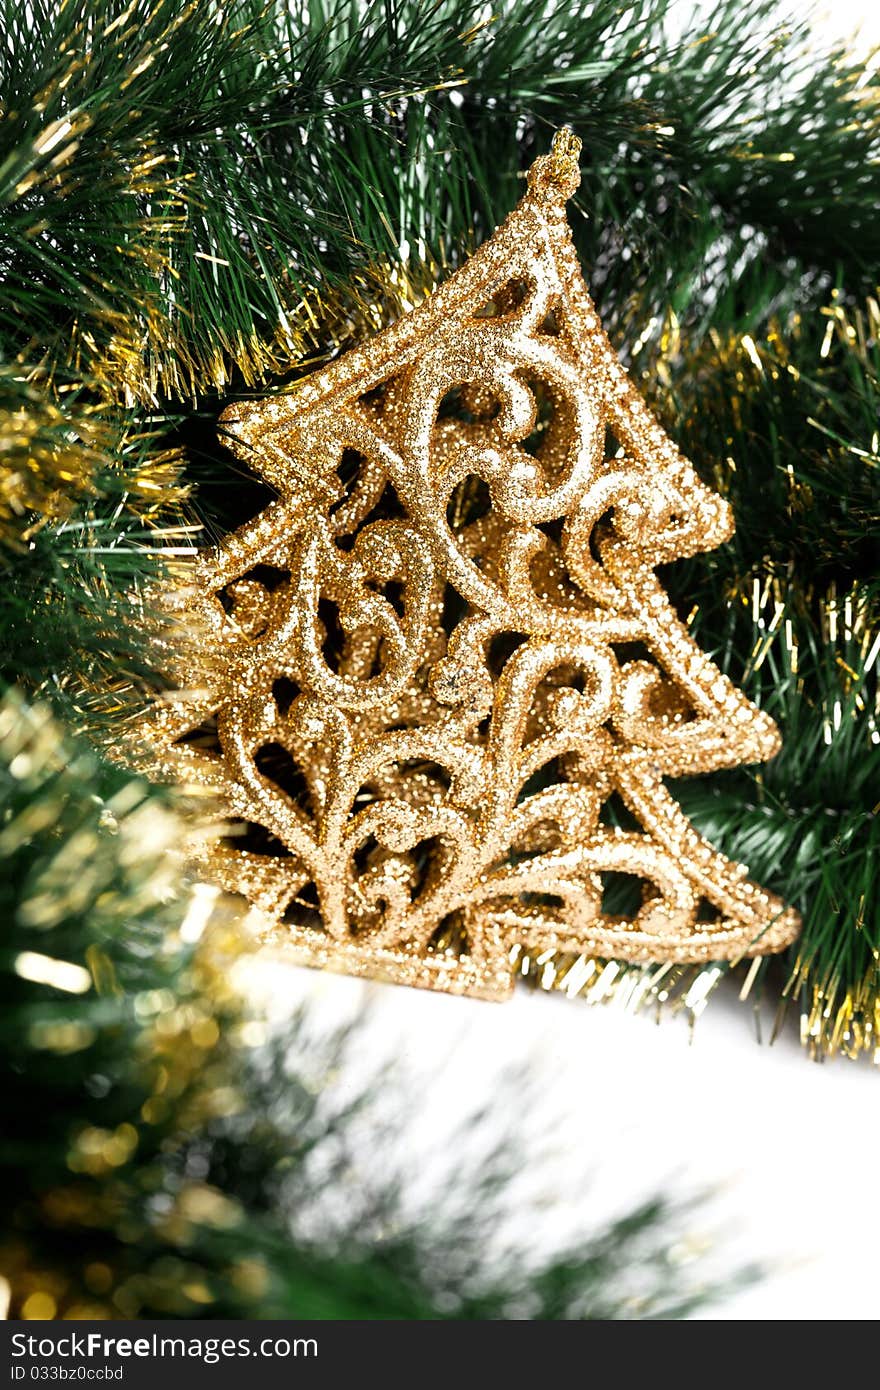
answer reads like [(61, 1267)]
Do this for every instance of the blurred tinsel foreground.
[(202, 198)]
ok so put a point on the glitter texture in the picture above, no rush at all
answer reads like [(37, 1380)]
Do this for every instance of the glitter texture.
[(450, 684)]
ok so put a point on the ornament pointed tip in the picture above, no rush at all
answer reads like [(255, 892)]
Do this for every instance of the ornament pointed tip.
[(557, 175)]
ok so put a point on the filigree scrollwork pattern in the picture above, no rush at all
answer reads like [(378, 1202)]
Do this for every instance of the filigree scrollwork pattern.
[(450, 684)]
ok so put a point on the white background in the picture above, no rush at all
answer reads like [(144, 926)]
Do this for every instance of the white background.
[(619, 1107)]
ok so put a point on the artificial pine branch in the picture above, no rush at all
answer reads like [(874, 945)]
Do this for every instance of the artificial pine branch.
[(303, 141)]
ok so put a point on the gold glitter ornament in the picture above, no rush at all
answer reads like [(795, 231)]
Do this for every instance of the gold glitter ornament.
[(445, 656)]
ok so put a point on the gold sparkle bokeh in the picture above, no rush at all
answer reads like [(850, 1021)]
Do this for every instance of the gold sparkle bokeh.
[(449, 683)]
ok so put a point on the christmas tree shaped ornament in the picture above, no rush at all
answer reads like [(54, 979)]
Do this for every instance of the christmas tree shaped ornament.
[(450, 684)]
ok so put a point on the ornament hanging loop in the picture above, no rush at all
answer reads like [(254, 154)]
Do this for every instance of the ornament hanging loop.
[(556, 176)]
